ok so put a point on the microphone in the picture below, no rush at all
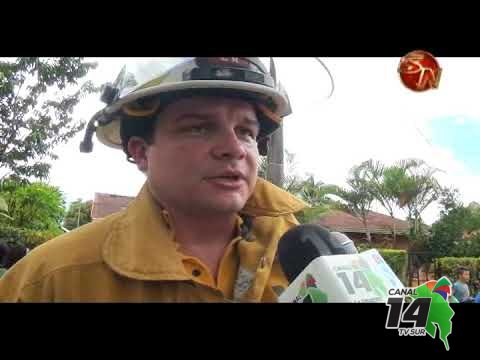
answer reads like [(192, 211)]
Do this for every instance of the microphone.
[(344, 241), (324, 266)]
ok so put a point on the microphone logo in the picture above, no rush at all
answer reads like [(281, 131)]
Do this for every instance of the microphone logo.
[(309, 292)]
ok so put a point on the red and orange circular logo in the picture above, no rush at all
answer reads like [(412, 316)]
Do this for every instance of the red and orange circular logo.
[(419, 71)]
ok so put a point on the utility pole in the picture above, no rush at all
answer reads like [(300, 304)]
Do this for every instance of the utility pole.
[(78, 215), (275, 171)]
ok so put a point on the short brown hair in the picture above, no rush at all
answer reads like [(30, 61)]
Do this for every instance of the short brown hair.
[(462, 270)]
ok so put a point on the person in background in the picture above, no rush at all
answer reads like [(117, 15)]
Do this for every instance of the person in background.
[(461, 290)]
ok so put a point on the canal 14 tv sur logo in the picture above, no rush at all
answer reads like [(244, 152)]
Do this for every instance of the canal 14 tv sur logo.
[(424, 310), (416, 312)]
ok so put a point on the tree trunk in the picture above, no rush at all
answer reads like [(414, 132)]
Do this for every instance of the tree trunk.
[(394, 243), (367, 230)]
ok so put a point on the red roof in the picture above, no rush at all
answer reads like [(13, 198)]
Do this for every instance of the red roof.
[(377, 223), (106, 204)]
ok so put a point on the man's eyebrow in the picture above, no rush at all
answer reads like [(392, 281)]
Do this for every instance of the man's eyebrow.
[(250, 121), (193, 116), (197, 116)]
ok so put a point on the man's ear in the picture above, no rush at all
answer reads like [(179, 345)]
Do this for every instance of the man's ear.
[(137, 148)]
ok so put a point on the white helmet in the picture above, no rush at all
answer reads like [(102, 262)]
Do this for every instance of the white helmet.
[(142, 88)]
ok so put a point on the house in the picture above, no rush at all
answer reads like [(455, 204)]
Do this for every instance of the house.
[(107, 204), (380, 227)]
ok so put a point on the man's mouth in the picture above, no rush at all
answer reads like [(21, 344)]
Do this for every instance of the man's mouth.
[(230, 180), (227, 177)]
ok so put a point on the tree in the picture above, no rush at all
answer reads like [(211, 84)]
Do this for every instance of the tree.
[(315, 193), (4, 209), (418, 189), (291, 182), (35, 206), (409, 183), (78, 214), (456, 232), (3, 201), (383, 183), (449, 199), (473, 222), (318, 195), (448, 232), (359, 198), (33, 119)]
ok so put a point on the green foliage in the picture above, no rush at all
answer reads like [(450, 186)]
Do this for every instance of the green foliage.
[(448, 266), (309, 215), (316, 193), (78, 214), (456, 232), (365, 246), (419, 190), (467, 247), (3, 205), (473, 221), (313, 192), (359, 198), (449, 199), (35, 206), (407, 184), (397, 260), (34, 118), (291, 181), (11, 234), (4, 209), (33, 238), (27, 237)]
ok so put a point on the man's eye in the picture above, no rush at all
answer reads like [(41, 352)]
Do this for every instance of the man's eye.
[(245, 132), (198, 130)]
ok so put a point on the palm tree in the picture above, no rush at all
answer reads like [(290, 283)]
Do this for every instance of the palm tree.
[(385, 184), (408, 183), (359, 198), (420, 189), (315, 192)]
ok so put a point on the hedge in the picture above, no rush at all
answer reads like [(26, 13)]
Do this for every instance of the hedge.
[(448, 266), (28, 238)]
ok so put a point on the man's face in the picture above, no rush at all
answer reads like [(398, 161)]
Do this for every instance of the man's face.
[(465, 276), (203, 158)]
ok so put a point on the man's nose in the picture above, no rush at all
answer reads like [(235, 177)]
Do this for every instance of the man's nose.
[(229, 146)]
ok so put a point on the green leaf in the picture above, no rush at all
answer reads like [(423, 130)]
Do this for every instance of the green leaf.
[(34, 118), (6, 216), (3, 205)]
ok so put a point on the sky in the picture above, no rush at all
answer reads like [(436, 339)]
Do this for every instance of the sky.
[(369, 115)]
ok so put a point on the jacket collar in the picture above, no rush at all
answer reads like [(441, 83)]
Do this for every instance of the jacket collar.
[(141, 245)]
